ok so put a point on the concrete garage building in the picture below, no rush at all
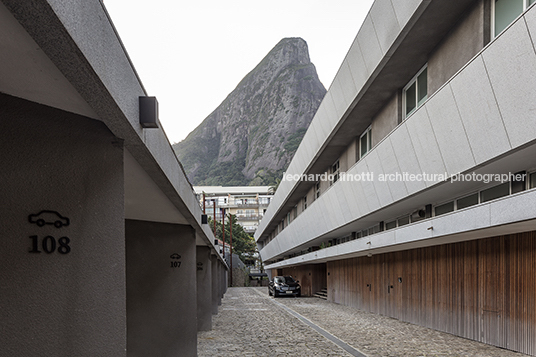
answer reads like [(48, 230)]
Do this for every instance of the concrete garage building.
[(412, 193), (102, 250)]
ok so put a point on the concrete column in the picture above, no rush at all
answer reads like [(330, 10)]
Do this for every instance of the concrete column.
[(204, 289), (62, 279), (223, 277), (220, 282), (161, 289), (215, 284)]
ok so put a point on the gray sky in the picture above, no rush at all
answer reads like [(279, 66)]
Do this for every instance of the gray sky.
[(192, 54)]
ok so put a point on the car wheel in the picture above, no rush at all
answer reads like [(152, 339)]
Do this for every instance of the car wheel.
[(40, 222), (269, 292), (275, 294), (58, 224)]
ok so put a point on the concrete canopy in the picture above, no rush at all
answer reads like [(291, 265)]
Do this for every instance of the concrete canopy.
[(69, 56)]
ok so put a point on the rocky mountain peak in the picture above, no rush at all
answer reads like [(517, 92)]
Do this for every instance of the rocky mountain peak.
[(253, 134)]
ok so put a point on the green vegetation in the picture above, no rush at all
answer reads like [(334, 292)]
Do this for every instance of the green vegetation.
[(294, 140), (243, 243)]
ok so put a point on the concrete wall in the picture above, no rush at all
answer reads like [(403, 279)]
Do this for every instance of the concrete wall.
[(204, 289), (215, 282), (67, 301), (386, 120), (464, 41), (161, 296)]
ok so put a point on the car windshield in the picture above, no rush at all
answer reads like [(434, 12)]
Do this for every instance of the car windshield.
[(284, 279)]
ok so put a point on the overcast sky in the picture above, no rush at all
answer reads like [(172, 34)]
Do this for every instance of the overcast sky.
[(192, 54)]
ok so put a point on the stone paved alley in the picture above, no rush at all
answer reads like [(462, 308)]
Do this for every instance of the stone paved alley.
[(250, 323)]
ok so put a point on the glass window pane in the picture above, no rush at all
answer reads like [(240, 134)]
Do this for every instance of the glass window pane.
[(531, 2), (364, 145), (467, 201), (411, 100), (495, 192), (518, 185), (444, 208), (422, 87), (505, 12), (403, 221), (390, 225), (533, 176)]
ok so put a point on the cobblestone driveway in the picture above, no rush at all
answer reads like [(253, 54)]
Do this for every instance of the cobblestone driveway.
[(250, 323)]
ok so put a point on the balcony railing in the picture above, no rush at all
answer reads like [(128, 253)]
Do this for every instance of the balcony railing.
[(252, 217)]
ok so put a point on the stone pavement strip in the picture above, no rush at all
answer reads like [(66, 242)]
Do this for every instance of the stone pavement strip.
[(250, 323)]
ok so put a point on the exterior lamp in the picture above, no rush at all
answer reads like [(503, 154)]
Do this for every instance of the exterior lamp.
[(148, 112)]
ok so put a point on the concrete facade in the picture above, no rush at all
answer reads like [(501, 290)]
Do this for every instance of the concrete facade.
[(161, 295), (97, 209), (215, 294), (475, 119), (204, 289), (62, 288)]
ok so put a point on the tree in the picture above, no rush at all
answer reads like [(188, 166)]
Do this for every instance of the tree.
[(243, 243), (274, 188)]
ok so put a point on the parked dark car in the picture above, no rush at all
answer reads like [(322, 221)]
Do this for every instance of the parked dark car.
[(284, 285)]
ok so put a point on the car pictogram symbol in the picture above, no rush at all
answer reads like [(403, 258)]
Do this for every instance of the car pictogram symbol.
[(49, 217), (175, 256)]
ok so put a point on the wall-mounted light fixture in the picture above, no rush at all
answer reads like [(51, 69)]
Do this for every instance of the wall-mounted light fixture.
[(399, 279), (148, 112), (204, 219)]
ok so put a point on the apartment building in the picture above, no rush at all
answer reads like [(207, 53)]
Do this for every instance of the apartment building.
[(247, 203), (412, 194)]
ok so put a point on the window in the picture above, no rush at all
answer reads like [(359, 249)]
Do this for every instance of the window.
[(390, 225), (416, 92), (495, 192), (533, 180), (317, 190), (402, 221), (373, 230), (506, 11), (335, 172), (364, 144), (467, 201), (444, 208), (304, 203)]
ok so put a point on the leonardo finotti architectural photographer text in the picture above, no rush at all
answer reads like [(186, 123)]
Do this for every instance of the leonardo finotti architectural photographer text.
[(407, 177)]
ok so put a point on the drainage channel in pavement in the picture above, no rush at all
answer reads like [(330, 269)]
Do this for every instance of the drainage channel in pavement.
[(351, 350)]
